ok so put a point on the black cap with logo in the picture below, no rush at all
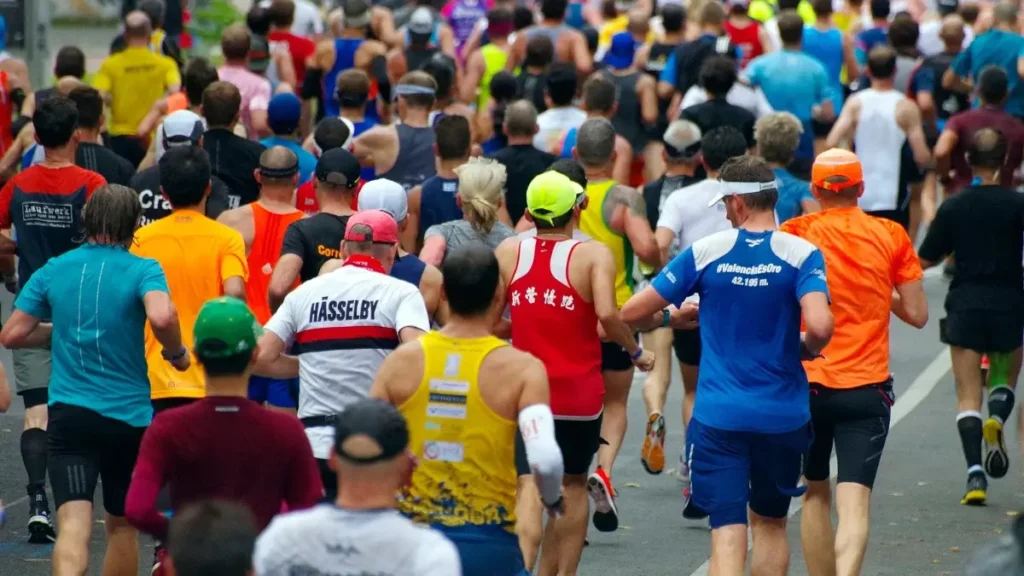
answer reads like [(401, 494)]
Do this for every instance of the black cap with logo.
[(370, 431)]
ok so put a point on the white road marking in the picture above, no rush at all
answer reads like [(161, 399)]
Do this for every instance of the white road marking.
[(919, 389)]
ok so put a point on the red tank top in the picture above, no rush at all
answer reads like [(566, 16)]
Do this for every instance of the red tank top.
[(6, 113), (746, 37), (266, 249), (305, 198), (551, 321)]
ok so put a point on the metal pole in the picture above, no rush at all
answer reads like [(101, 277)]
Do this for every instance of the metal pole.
[(37, 41)]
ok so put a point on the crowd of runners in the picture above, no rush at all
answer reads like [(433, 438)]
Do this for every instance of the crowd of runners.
[(368, 296)]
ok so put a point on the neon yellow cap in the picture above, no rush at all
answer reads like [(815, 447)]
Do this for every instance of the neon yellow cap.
[(551, 195)]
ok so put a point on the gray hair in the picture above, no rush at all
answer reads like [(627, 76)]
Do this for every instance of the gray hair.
[(520, 118), (114, 213), (778, 136), (595, 142)]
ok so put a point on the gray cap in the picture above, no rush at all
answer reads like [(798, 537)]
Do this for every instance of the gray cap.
[(384, 195)]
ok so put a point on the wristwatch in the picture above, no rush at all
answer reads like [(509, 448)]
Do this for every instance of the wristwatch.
[(666, 317), (175, 356)]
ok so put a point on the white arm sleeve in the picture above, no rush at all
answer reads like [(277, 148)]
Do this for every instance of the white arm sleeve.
[(537, 425)]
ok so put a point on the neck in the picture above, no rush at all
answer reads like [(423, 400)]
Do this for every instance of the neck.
[(500, 41), (776, 165), (59, 156), (90, 135), (992, 104), (759, 222), (354, 114), (672, 38), (197, 108), (446, 168), (823, 21), (596, 114), (881, 85), (277, 194), (987, 175), (712, 174), (228, 127), (103, 240), (416, 117), (1005, 27), (463, 327), (230, 386), (680, 169), (339, 205), (201, 207), (352, 33), (137, 42), (364, 495), (565, 231), (595, 174), (953, 50), (834, 201), (243, 63), (795, 47), (520, 140), (551, 22), (279, 28), (880, 22), (707, 30)]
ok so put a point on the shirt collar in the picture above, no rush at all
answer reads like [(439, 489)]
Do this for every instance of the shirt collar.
[(365, 262)]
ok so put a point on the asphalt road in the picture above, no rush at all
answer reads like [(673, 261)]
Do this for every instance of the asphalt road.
[(918, 526)]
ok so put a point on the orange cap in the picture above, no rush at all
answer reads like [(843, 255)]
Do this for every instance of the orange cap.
[(836, 162)]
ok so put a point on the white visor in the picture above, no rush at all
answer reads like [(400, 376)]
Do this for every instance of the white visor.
[(735, 188)]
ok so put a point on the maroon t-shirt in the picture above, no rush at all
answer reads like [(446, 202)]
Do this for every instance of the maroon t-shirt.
[(223, 448), (966, 124)]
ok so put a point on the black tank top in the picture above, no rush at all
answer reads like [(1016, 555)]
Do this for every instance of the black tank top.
[(415, 58)]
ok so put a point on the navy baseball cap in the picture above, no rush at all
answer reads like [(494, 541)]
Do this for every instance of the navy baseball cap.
[(283, 113)]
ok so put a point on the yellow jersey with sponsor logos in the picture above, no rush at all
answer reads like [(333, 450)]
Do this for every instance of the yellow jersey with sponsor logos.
[(467, 474)]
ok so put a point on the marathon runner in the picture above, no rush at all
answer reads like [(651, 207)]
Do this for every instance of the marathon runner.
[(600, 100), (778, 137), (372, 453), (442, 68), (569, 44), (750, 429), (254, 89), (561, 113), (299, 47), (984, 305), (263, 225), (868, 260), (69, 63), (488, 60), (284, 116), (354, 88), (745, 32), (523, 162), (532, 79), (636, 110), (682, 69), (433, 201), (619, 221), (330, 133), (829, 45), (422, 42), (462, 390), (234, 159), (273, 64), (718, 78), (342, 326)]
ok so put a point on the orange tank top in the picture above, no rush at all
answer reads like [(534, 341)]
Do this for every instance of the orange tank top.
[(266, 249)]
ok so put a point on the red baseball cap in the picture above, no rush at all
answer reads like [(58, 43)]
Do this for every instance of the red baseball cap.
[(382, 227)]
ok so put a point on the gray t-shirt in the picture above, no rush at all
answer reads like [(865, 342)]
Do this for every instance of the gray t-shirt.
[(459, 232)]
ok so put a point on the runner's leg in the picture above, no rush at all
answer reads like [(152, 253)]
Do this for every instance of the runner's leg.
[(73, 464), (579, 441), (571, 529), (652, 453), (968, 421), (687, 346), (770, 553), (31, 378), (728, 550), (817, 535), (721, 466), (776, 464), (616, 385), (118, 455), (529, 509), (71, 552), (122, 557)]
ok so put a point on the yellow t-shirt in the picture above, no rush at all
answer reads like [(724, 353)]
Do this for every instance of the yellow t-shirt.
[(197, 254), (135, 78), (613, 27)]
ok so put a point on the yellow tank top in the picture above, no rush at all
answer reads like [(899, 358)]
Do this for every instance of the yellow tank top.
[(592, 224), (494, 62), (466, 474)]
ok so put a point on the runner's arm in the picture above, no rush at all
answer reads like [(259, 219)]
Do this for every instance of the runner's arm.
[(430, 288), (271, 361), (537, 426), (163, 319), (581, 54), (845, 125), (395, 366), (25, 331), (633, 212), (411, 318), (5, 391), (938, 241), (152, 118), (664, 236), (909, 119), (148, 479), (944, 151), (623, 167), (409, 237), (330, 266), (602, 284), (471, 79), (648, 93), (234, 267), (812, 293), (910, 304), (850, 58)]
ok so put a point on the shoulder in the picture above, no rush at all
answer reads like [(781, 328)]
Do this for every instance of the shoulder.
[(711, 248), (515, 361), (799, 225), (290, 524), (791, 249)]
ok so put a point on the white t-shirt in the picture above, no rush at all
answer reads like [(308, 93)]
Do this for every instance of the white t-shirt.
[(344, 324), (687, 214), (741, 94), (327, 539), (553, 121), (929, 42), (308, 21)]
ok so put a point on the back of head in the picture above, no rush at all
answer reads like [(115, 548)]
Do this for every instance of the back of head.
[(453, 137), (353, 88), (471, 277), (794, 4), (222, 103), (571, 169), (281, 13), (185, 175), (137, 26), (639, 22), (55, 121), (278, 167), (422, 89), (212, 537), (791, 28), (673, 17), (284, 113), (156, 10), (986, 150), (1005, 14), (330, 133), (721, 144), (882, 63), (553, 9), (712, 15), (257, 20), (503, 87), (717, 75), (752, 169), (520, 119), (682, 142), (522, 17), (822, 8), (481, 183), (199, 73), (70, 62), (993, 84), (90, 106), (235, 42), (540, 52), (969, 12), (952, 31), (903, 32), (441, 68), (562, 83), (113, 213), (599, 94), (224, 336), (372, 233), (595, 143), (880, 9), (778, 137), (500, 22)]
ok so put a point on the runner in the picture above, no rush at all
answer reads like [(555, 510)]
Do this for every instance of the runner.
[(69, 62), (263, 225), (717, 78), (523, 162), (330, 133), (310, 242), (742, 94), (308, 21), (483, 64), (202, 259), (465, 484), (750, 429), (561, 113), (686, 218), (620, 223), (402, 152), (212, 538), (569, 44), (827, 43), (282, 15), (283, 116), (273, 64), (99, 391), (851, 386), (372, 453), (682, 69), (874, 34), (553, 280), (746, 32), (637, 107), (462, 17), (223, 446), (64, 188), (254, 90), (433, 202), (984, 304), (532, 80), (600, 100), (159, 41), (234, 159), (651, 58), (342, 326), (354, 88), (879, 121), (933, 40), (903, 35), (778, 137), (441, 68), (422, 43)]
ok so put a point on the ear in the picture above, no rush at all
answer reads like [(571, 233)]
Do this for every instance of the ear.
[(257, 176), (435, 149), (575, 154), (458, 201), (209, 188), (536, 128)]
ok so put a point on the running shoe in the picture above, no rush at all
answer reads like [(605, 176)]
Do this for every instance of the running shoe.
[(40, 527), (997, 463), (652, 455), (606, 515), (159, 556), (977, 486), (984, 362)]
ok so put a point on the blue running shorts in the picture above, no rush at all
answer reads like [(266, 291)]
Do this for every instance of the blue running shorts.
[(486, 550), (277, 393), (730, 471)]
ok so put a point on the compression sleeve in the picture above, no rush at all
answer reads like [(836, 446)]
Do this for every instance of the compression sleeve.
[(379, 70), (141, 500), (537, 425)]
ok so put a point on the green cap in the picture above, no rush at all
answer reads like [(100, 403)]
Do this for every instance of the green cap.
[(225, 327), (551, 195)]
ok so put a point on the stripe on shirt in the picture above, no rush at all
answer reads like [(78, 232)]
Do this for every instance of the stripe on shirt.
[(346, 338)]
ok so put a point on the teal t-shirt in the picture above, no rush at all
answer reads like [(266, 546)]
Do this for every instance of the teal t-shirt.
[(999, 48), (307, 162), (94, 297)]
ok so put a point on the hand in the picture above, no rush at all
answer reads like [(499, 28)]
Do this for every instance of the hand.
[(645, 363), (182, 364), (805, 352), (684, 318)]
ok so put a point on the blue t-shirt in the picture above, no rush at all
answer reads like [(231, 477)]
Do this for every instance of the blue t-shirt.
[(1002, 49), (866, 40), (33, 155), (827, 47), (750, 285), (792, 191), (93, 294), (307, 162), (792, 82)]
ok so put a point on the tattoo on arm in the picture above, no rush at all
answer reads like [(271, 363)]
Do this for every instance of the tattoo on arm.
[(624, 196)]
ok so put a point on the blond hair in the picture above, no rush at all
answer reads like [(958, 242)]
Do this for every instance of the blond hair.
[(481, 188), (778, 136)]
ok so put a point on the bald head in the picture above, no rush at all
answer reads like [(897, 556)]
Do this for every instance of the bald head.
[(278, 158), (952, 31), (137, 26), (1005, 14), (520, 119), (66, 84)]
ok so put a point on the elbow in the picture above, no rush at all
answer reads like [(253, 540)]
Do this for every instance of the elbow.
[(819, 331), (919, 319), (164, 319)]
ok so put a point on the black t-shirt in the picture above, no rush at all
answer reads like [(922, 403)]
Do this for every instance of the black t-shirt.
[(532, 87), (104, 162), (522, 164), (983, 228), (316, 240), (155, 206), (234, 160), (655, 193), (717, 113), (690, 56)]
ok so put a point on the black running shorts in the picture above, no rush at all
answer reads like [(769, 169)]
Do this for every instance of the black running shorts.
[(579, 441), (983, 330), (686, 344), (162, 404), (856, 420), (85, 446), (329, 480), (614, 357)]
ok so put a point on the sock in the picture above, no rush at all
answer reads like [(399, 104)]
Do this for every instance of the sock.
[(33, 454), (998, 369), (969, 425), (1000, 403)]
